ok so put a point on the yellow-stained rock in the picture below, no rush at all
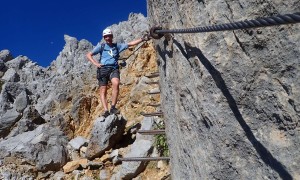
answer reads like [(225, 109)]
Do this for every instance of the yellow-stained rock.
[(104, 158), (73, 165)]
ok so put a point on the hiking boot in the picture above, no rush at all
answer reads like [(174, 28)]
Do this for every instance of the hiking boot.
[(105, 114), (114, 110)]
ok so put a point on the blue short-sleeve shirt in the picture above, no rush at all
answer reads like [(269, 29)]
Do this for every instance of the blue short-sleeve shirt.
[(110, 55)]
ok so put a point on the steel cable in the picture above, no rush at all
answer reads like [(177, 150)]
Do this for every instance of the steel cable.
[(157, 32)]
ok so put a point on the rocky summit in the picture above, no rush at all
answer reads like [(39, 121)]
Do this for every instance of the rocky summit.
[(229, 101)]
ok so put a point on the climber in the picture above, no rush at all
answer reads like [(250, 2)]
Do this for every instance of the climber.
[(108, 68)]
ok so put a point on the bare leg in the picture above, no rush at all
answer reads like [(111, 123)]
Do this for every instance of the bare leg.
[(103, 97), (115, 90)]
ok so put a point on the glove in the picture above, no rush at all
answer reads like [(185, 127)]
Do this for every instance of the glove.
[(146, 37)]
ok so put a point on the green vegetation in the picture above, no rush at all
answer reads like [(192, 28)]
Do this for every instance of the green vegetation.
[(1, 84), (161, 145), (161, 141)]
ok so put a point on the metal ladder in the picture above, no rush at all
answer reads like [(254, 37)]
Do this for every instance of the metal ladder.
[(150, 132)]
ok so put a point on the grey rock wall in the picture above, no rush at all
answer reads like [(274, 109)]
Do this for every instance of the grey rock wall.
[(44, 146), (231, 99), (105, 134)]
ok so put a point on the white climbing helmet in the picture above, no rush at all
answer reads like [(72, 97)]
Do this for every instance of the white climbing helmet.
[(107, 32)]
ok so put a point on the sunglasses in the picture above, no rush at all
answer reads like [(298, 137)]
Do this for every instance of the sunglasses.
[(108, 36)]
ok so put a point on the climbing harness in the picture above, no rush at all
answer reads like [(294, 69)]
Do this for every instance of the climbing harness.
[(158, 32)]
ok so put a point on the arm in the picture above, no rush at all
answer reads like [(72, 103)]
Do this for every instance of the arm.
[(92, 60), (146, 37), (135, 42)]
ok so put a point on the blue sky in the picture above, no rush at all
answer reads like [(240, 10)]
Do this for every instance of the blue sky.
[(36, 28)]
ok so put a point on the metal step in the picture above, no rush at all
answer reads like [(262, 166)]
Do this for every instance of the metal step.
[(152, 114), (154, 92), (153, 105), (152, 132), (144, 158), (153, 75), (153, 82)]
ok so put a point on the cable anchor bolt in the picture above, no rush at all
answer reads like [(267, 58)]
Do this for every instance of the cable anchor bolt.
[(155, 35)]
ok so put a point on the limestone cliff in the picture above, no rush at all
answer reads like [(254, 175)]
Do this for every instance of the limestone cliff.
[(230, 99)]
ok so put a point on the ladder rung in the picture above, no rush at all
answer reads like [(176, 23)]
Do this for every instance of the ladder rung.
[(152, 114), (153, 75), (153, 82), (144, 158), (152, 132), (153, 105), (154, 92)]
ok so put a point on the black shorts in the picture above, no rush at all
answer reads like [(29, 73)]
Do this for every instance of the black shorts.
[(104, 74)]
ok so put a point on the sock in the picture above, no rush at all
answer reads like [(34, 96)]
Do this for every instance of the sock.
[(113, 107)]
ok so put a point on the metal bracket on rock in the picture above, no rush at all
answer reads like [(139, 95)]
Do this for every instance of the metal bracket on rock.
[(155, 35)]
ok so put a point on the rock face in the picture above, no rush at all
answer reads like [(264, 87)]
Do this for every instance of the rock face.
[(104, 135), (44, 146), (231, 98), (142, 147)]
